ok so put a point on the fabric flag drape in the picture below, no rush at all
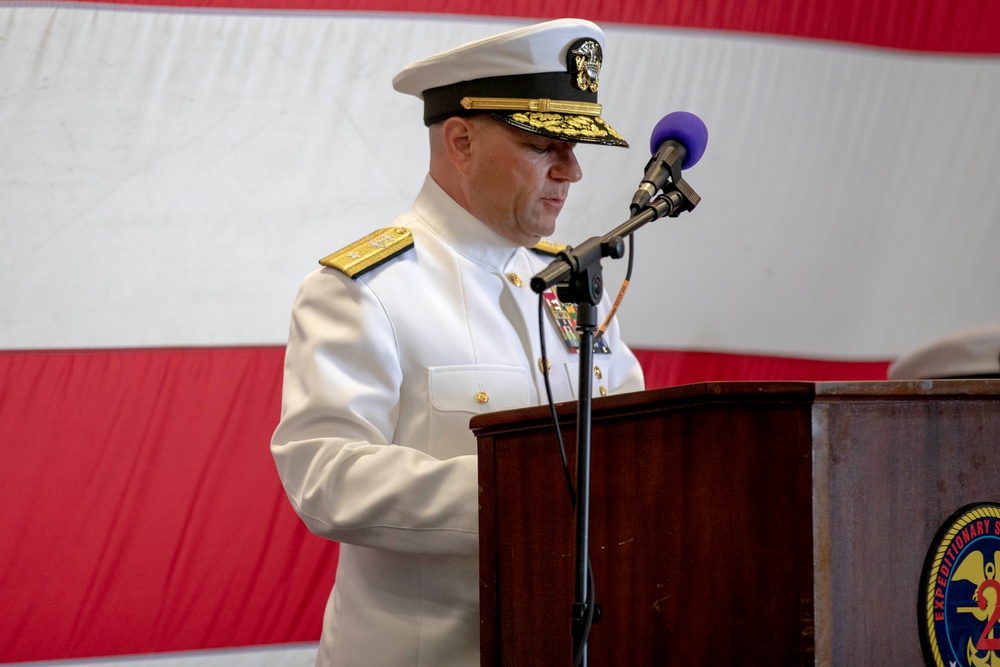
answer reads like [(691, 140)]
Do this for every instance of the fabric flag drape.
[(172, 170)]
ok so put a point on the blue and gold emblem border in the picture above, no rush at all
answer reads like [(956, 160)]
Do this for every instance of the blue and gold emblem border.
[(939, 565)]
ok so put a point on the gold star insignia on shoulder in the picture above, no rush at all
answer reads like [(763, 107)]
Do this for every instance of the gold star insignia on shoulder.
[(373, 250)]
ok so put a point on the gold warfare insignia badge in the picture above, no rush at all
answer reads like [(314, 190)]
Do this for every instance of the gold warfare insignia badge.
[(585, 58), (959, 597)]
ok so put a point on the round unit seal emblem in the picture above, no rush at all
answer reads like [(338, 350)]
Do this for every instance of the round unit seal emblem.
[(959, 597)]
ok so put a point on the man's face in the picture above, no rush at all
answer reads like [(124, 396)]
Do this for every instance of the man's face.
[(518, 181)]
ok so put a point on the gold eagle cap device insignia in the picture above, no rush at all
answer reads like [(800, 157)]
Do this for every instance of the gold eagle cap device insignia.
[(373, 250)]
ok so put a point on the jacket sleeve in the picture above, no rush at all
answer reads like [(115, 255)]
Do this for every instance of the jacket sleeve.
[(333, 446)]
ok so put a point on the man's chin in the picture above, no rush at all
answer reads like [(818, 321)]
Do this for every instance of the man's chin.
[(533, 231), (545, 228)]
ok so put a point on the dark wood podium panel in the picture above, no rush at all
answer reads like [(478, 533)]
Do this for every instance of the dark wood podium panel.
[(777, 523)]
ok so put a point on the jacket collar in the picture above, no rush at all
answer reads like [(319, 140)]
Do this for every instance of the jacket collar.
[(466, 234)]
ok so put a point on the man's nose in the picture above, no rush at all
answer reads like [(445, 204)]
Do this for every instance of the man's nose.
[(567, 167)]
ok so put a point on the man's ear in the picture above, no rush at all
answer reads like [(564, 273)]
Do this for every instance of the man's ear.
[(457, 133)]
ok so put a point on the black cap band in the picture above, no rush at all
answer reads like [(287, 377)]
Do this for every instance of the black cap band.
[(446, 101)]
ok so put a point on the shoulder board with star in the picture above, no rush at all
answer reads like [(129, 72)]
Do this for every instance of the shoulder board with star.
[(373, 250), (549, 248)]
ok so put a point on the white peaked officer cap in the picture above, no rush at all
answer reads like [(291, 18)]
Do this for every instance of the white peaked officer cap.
[(968, 354), (541, 79)]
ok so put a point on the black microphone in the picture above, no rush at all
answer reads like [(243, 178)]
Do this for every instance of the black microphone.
[(677, 142)]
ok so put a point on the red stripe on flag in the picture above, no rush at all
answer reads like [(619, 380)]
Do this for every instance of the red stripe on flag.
[(141, 511), (940, 26), (665, 368)]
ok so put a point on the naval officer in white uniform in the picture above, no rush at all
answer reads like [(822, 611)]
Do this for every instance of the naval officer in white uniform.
[(400, 338)]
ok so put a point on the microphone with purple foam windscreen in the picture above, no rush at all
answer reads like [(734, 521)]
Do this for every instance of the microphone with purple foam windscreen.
[(677, 142)]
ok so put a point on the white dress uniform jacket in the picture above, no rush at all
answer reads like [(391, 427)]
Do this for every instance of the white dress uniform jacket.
[(374, 449)]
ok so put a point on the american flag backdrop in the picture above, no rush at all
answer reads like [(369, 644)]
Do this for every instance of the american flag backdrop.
[(169, 171)]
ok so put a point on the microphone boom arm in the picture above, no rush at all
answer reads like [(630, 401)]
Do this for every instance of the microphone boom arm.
[(676, 198)]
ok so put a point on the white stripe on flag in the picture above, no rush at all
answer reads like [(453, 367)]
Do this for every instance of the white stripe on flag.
[(169, 177), (286, 655)]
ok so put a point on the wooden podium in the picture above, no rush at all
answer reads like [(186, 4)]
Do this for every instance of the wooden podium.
[(750, 523)]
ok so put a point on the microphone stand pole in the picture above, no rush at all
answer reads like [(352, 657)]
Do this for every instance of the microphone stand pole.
[(578, 277)]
